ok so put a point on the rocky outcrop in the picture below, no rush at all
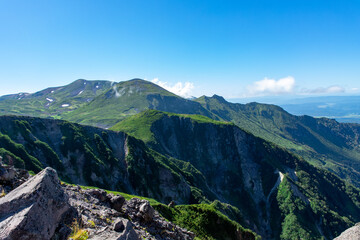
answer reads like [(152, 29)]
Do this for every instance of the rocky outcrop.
[(42, 208), (11, 177), (108, 216), (352, 233), (34, 209)]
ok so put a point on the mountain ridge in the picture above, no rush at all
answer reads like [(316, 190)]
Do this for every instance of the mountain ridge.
[(303, 135), (249, 180)]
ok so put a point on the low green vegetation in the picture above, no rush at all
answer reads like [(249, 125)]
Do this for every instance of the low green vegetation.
[(17, 154), (77, 232), (205, 220), (140, 124), (53, 102)]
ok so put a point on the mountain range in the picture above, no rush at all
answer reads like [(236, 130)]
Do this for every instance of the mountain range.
[(280, 175), (323, 142)]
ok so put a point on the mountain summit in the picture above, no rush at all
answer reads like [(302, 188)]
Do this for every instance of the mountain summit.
[(131, 97)]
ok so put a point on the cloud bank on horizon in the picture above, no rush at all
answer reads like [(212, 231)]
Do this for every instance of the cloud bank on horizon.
[(287, 86), (179, 88), (264, 87)]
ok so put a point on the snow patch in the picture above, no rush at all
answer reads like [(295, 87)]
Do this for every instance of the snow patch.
[(52, 91), (97, 86), (50, 100), (281, 176), (81, 92), (65, 105)]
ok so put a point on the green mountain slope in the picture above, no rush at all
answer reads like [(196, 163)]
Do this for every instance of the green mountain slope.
[(52, 102), (197, 161), (111, 160), (321, 141), (284, 196), (128, 98)]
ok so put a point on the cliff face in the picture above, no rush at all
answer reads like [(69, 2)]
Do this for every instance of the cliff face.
[(323, 142), (191, 159), (273, 189), (89, 156)]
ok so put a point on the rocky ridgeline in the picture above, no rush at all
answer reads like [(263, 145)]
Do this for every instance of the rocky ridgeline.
[(39, 207)]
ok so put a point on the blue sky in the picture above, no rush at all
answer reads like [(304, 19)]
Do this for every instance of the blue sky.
[(231, 48)]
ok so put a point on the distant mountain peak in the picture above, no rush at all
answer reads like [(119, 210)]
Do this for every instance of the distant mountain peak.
[(219, 98)]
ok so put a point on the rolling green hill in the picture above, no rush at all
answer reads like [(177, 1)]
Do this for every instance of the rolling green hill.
[(128, 98), (54, 101)]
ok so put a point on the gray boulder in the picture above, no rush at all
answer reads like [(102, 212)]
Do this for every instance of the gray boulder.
[(122, 229), (117, 202), (7, 174), (352, 233), (147, 211), (34, 209)]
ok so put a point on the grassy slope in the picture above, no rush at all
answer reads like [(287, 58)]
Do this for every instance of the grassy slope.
[(123, 99), (75, 95), (129, 98), (139, 125)]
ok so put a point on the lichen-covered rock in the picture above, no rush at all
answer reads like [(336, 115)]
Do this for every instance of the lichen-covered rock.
[(352, 233), (34, 209)]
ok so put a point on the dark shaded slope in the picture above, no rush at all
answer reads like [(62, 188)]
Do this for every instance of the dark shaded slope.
[(278, 193), (115, 161), (321, 141), (90, 156)]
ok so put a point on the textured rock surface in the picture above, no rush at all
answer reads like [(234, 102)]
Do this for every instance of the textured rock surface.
[(42, 208), (108, 216), (11, 177), (34, 209), (352, 233)]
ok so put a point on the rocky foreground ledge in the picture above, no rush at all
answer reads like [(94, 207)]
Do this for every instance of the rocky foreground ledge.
[(42, 208)]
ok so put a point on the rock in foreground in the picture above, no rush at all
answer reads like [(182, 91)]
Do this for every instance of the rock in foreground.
[(34, 209), (352, 233), (42, 208), (109, 216)]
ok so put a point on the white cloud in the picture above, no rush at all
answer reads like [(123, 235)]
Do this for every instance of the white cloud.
[(179, 88), (321, 90), (327, 105), (272, 87)]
